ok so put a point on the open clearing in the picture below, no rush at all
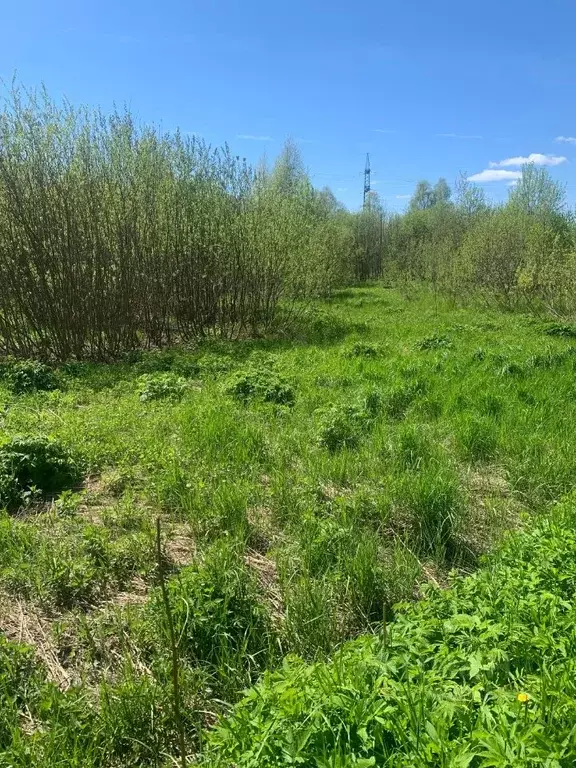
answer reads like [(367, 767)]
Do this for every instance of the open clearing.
[(304, 488)]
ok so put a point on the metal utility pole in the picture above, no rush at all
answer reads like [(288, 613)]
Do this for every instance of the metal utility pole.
[(367, 182)]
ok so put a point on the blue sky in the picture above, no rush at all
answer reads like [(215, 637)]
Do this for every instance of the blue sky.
[(429, 89)]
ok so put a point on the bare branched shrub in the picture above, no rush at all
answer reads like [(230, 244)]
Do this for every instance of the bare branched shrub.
[(114, 236)]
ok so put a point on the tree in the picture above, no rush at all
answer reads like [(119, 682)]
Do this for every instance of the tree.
[(441, 193), (289, 175), (537, 193), (423, 196), (470, 198)]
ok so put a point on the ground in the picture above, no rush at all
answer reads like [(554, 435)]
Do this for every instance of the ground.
[(304, 486)]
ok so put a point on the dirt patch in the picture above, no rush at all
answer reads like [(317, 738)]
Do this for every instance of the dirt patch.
[(267, 575), (23, 623)]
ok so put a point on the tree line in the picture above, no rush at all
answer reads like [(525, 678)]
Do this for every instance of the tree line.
[(520, 254), (115, 236)]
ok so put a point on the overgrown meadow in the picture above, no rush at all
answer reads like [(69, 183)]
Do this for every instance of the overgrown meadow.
[(340, 485)]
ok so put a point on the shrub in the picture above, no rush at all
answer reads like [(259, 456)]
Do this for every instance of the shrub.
[(35, 463), (161, 386)]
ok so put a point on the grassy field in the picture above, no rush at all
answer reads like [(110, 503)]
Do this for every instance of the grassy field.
[(304, 488)]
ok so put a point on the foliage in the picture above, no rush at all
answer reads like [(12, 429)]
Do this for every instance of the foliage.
[(275, 543), (163, 237), (29, 376), (262, 383), (35, 464), (218, 616), (459, 679), (161, 386), (343, 426)]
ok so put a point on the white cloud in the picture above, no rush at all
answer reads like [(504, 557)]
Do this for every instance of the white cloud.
[(341, 189), (251, 137), (493, 175), (566, 139), (382, 130), (459, 135), (402, 197), (535, 158)]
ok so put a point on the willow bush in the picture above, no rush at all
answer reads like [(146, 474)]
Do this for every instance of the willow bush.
[(517, 255), (114, 236)]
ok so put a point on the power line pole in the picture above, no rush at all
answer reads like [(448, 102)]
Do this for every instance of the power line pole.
[(367, 182)]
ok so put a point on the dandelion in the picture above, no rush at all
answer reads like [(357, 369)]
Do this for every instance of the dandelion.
[(523, 698)]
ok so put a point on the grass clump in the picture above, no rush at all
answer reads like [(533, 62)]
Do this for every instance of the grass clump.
[(477, 438), (433, 498), (219, 617)]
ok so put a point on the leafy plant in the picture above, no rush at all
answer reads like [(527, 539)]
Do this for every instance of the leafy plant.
[(363, 349), (38, 464), (30, 376), (343, 426), (434, 342), (260, 383), (161, 386)]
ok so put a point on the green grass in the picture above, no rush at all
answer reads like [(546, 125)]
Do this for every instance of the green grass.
[(305, 486)]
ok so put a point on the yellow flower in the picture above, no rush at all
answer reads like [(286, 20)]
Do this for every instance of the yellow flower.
[(523, 698)]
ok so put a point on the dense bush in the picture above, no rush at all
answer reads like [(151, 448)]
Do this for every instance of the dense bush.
[(521, 254)]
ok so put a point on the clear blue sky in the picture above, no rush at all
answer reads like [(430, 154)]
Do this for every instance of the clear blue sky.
[(497, 77)]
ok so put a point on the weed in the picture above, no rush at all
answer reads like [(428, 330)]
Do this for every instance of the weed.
[(218, 616), (35, 464), (261, 383), (30, 376), (344, 426), (163, 386), (563, 331), (363, 349), (434, 342)]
